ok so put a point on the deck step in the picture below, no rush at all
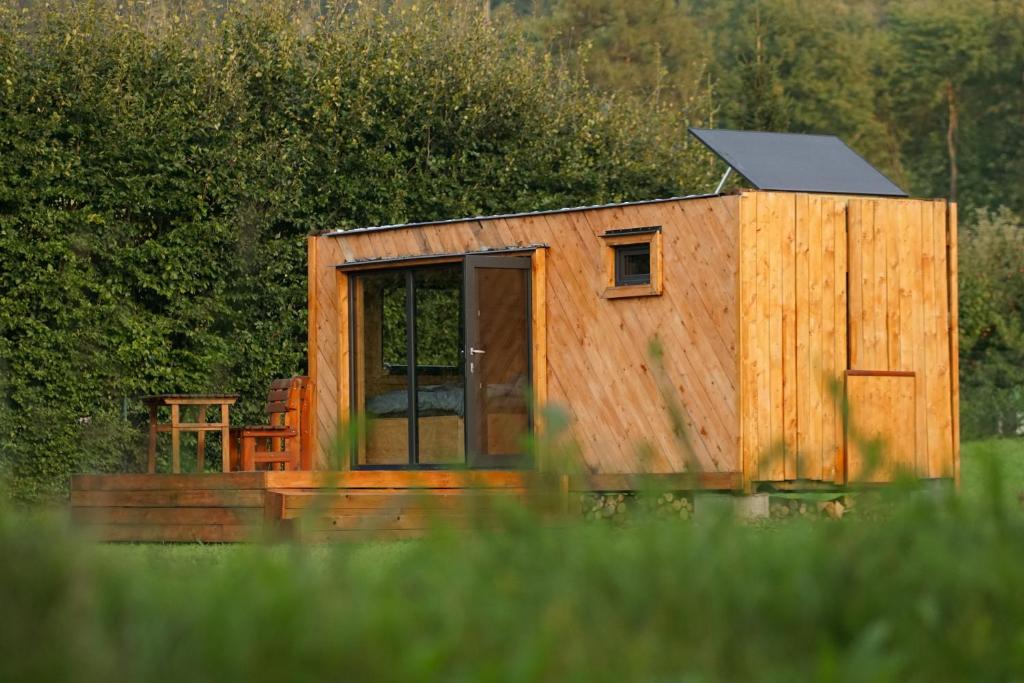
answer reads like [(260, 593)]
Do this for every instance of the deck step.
[(317, 515), (295, 502)]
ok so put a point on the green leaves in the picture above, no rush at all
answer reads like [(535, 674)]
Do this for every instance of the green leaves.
[(992, 323), (158, 176)]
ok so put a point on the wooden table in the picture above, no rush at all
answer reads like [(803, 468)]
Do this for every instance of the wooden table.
[(176, 402)]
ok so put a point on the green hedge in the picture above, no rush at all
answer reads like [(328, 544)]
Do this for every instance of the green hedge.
[(159, 173)]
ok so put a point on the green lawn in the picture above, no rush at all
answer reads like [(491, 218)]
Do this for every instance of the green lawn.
[(853, 600), (981, 460)]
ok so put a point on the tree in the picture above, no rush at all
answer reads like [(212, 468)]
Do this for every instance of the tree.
[(941, 47), (992, 324)]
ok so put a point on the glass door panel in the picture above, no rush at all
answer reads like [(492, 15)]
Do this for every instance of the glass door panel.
[(498, 359), (381, 362), (440, 379)]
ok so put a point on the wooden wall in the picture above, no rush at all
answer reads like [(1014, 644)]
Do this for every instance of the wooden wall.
[(830, 284), (598, 366), (900, 313)]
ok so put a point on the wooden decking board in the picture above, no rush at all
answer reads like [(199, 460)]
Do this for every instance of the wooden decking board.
[(168, 515), (358, 535), (203, 498), (168, 482), (331, 506), (383, 520), (376, 479), (297, 504)]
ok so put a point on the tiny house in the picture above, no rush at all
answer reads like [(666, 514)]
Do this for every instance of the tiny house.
[(773, 310), (806, 331)]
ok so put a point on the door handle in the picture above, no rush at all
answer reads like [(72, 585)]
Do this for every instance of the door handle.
[(472, 350)]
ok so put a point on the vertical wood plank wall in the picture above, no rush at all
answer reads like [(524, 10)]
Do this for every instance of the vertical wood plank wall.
[(888, 403), (900, 313), (833, 283), (598, 367), (793, 334)]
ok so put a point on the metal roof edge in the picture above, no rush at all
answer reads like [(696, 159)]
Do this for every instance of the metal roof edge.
[(545, 212)]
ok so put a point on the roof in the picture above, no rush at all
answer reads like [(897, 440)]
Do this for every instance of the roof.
[(422, 224)]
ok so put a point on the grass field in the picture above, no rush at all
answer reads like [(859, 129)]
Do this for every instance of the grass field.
[(981, 459), (927, 590)]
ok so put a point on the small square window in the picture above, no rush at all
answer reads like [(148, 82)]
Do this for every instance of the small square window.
[(632, 264)]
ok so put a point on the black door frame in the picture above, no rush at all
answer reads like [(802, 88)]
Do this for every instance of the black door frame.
[(468, 262)]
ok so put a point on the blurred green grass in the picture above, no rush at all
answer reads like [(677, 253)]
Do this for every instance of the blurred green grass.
[(929, 589), (977, 459)]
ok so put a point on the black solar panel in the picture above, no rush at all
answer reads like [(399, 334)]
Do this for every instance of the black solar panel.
[(797, 163)]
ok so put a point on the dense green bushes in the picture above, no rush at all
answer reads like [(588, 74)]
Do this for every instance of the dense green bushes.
[(992, 324), (159, 172), (931, 592)]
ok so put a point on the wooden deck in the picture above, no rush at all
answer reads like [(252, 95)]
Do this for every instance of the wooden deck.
[(324, 506)]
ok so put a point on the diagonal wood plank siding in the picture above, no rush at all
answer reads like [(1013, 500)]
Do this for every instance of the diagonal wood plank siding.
[(793, 334), (831, 283), (598, 366)]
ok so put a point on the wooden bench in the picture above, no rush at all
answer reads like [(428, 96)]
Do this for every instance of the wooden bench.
[(284, 442)]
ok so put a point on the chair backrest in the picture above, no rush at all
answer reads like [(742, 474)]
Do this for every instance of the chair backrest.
[(289, 403), (285, 395)]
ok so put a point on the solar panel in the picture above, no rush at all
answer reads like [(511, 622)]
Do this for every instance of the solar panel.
[(797, 163)]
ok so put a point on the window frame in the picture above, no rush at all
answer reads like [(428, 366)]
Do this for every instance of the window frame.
[(614, 241)]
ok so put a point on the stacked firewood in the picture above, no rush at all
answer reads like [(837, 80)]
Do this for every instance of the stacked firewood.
[(672, 505), (604, 505), (783, 508)]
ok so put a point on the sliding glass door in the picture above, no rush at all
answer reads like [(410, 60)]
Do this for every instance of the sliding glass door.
[(420, 370)]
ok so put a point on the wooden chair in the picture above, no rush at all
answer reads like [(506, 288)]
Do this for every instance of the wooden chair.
[(285, 440)]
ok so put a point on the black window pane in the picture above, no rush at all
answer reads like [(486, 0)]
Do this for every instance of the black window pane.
[(440, 382), (636, 265), (393, 321), (633, 264)]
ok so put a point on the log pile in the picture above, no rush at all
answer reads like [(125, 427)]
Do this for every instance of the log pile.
[(616, 505), (787, 508), (673, 505), (604, 505)]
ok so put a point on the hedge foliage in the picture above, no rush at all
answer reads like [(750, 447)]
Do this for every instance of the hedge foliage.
[(161, 165)]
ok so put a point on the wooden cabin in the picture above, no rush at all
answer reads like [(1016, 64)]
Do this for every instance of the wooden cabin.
[(800, 335), (771, 309)]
